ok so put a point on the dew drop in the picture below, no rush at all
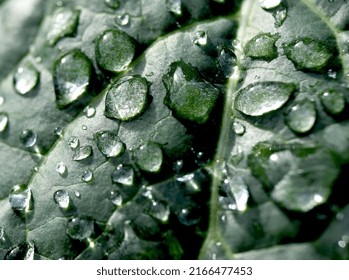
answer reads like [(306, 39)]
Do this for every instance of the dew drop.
[(109, 143), (71, 77), (269, 4), (77, 194), (2, 234), (333, 101), (2, 100), (127, 98), (332, 74), (23, 251), (87, 176), (84, 127), (80, 228), (238, 128), (28, 138), (73, 142), (187, 217), (20, 196), (114, 4), (200, 38), (114, 50), (26, 79), (82, 153), (174, 6), (159, 211), (280, 16), (149, 157), (116, 198), (264, 97), (301, 116), (123, 20), (124, 174), (61, 168), (61, 198), (3, 121), (226, 62), (89, 111), (262, 47)]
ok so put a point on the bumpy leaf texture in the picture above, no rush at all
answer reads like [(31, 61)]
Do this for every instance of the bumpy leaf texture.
[(197, 129)]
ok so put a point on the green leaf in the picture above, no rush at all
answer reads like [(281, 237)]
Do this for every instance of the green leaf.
[(148, 130)]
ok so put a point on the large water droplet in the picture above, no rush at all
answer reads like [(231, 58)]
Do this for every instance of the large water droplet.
[(159, 211), (109, 143), (3, 121), (20, 197), (80, 228), (82, 153), (226, 62), (23, 251), (123, 20), (114, 4), (71, 77), (26, 78), (89, 111), (127, 98), (301, 116), (149, 157), (333, 101), (124, 174), (28, 138), (261, 98), (308, 54), (174, 6), (64, 23), (200, 38), (238, 127), (73, 142), (61, 168), (269, 4), (114, 50), (116, 198), (87, 176), (61, 197), (188, 95), (262, 47)]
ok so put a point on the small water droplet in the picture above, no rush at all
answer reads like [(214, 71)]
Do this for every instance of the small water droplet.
[(84, 127), (127, 98), (61, 197), (61, 168), (332, 74), (149, 157), (109, 143), (87, 176), (238, 128), (2, 234), (269, 4), (174, 6), (2, 100), (123, 20), (58, 131), (114, 4), (262, 47), (82, 153), (280, 16), (73, 142), (188, 217), (89, 111), (301, 116), (159, 210), (80, 228), (318, 198), (26, 79), (200, 38), (116, 198), (178, 166), (23, 251), (226, 62), (114, 50), (28, 138), (333, 101), (20, 197), (342, 244), (124, 174), (3, 121)]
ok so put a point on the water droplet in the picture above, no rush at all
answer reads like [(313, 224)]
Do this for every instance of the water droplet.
[(262, 47), (342, 244), (114, 50), (64, 23), (188, 217), (226, 62), (87, 176), (2, 234), (200, 38), (23, 251), (73, 142), (84, 127), (159, 211), (61, 197), (26, 78), (188, 95), (332, 74), (2, 100), (189, 183), (123, 20), (238, 127), (318, 198), (82, 153), (80, 228), (28, 138), (264, 97), (71, 77), (58, 131), (114, 4), (61, 168), (308, 54), (124, 174), (89, 111), (333, 101), (178, 166), (77, 194), (149, 157), (19, 198), (127, 98), (301, 116), (3, 121), (237, 193), (269, 4), (109, 143), (116, 198), (174, 6), (280, 15)]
